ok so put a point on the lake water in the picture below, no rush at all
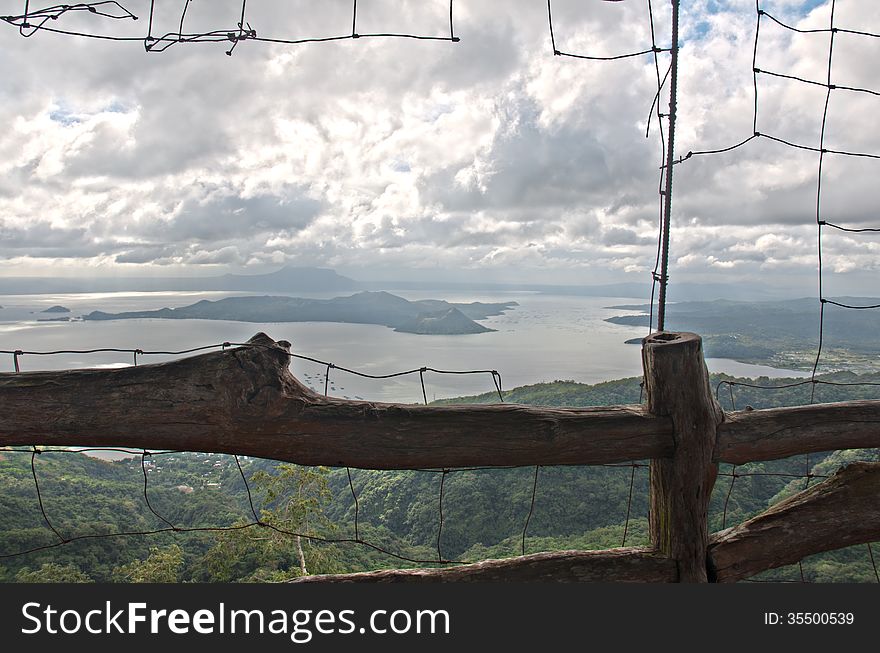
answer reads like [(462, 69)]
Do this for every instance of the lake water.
[(545, 338)]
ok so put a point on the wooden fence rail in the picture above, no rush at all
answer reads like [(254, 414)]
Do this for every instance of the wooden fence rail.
[(245, 401)]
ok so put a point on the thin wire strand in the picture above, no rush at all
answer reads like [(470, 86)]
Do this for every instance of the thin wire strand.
[(873, 564), (632, 482), (61, 538), (733, 475), (851, 229), (812, 82), (171, 528), (531, 509), (826, 30), (440, 513), (247, 488), (496, 376), (147, 496), (357, 507), (654, 49)]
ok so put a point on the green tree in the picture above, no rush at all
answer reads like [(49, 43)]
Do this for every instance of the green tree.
[(163, 565), (292, 501), (51, 572)]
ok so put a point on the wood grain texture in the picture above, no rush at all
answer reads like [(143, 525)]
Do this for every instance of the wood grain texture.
[(841, 511), (632, 565), (677, 385), (246, 401), (782, 432)]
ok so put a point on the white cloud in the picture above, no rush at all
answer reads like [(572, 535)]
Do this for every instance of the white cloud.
[(489, 155)]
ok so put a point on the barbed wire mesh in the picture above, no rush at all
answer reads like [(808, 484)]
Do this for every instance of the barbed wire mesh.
[(32, 21)]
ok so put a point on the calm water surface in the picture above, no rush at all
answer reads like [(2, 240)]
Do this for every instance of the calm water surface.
[(545, 338)]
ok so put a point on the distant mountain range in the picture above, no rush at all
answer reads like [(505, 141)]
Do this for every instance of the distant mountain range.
[(783, 333), (291, 279), (287, 279), (428, 317)]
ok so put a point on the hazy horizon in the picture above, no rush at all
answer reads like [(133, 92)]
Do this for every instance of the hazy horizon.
[(276, 280)]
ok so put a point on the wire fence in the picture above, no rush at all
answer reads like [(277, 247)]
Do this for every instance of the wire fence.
[(784, 471), (33, 21), (659, 274), (167, 526), (822, 149), (633, 506), (669, 161)]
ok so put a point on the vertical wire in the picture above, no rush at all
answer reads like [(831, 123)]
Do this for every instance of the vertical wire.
[(670, 154), (440, 511), (819, 241), (150, 22), (354, 496), (733, 475), (247, 488), (182, 18), (873, 564), (452, 36), (327, 378), (24, 23), (357, 507), (144, 455), (496, 379), (759, 12), (242, 34), (40, 496), (531, 509), (632, 481)]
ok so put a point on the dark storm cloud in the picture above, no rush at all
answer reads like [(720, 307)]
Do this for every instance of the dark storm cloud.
[(41, 234), (218, 219), (618, 236)]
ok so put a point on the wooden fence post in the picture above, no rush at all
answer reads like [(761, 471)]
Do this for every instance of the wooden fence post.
[(677, 386)]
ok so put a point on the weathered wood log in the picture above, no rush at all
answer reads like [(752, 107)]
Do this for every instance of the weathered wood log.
[(677, 385), (633, 565), (782, 432), (246, 401), (841, 511)]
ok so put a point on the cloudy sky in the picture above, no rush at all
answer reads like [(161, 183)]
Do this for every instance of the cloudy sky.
[(386, 158)]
